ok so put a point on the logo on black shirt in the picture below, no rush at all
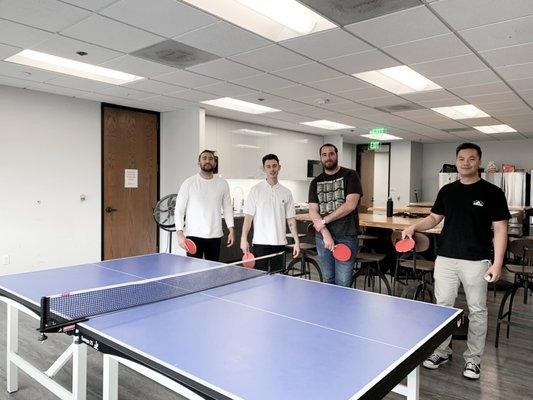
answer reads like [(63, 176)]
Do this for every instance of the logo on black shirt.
[(478, 203), (330, 195)]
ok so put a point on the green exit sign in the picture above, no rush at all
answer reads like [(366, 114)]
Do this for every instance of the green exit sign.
[(378, 131), (374, 145)]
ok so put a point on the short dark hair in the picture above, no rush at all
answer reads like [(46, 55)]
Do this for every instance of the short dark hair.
[(212, 152), (464, 146), (328, 145), (270, 157)]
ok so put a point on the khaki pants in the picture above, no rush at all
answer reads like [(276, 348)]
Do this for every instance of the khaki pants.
[(449, 273)]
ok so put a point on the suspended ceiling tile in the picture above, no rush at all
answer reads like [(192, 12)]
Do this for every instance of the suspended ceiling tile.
[(138, 66), (19, 35), (433, 48), (224, 69), (399, 27), (500, 34), (166, 17), (361, 62), (65, 47), (222, 39), (463, 14), (270, 58), (111, 34), (327, 44), (50, 15)]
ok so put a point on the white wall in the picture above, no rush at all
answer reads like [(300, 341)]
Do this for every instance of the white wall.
[(381, 174), (518, 152), (182, 137), (348, 155), (400, 159), (50, 155), (417, 153)]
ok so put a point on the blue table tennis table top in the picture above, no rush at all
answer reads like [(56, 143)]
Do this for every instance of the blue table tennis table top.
[(271, 337)]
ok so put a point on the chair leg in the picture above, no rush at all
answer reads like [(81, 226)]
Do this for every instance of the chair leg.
[(501, 315), (509, 312)]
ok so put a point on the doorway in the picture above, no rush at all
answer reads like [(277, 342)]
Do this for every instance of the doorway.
[(130, 181), (373, 166)]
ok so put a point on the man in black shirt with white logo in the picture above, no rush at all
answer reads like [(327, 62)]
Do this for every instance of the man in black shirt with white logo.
[(475, 217)]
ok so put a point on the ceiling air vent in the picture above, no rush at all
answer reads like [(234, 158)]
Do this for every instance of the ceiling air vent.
[(400, 107), (459, 130), (346, 12), (174, 54)]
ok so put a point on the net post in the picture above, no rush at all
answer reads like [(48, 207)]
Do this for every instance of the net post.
[(45, 306)]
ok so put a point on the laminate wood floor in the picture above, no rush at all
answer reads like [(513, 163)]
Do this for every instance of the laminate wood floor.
[(507, 372)]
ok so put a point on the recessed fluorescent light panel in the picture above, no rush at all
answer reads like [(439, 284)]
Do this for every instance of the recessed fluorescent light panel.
[(246, 146), (274, 19), (71, 67), (495, 129), (381, 137), (325, 124), (239, 105), (253, 132), (398, 80), (461, 112)]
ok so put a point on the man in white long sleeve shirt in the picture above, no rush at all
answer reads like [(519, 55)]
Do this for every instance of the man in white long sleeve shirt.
[(198, 209)]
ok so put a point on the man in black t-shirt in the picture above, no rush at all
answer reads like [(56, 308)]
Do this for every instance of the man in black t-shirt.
[(472, 209), (333, 198)]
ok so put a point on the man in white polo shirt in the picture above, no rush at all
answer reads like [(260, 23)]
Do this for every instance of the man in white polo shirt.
[(270, 205), (198, 209)]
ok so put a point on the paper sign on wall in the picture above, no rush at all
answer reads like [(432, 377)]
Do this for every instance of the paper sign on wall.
[(131, 178)]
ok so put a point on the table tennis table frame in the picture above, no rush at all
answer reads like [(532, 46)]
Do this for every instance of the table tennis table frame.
[(115, 354)]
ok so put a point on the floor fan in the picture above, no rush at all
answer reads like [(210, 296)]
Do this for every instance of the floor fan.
[(164, 216)]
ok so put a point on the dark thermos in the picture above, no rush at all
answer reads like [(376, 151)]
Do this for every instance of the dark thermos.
[(389, 207)]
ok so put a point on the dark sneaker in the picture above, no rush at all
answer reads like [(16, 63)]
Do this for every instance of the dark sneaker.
[(471, 370), (434, 361)]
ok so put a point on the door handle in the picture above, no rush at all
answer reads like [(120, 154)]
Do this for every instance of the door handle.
[(110, 209)]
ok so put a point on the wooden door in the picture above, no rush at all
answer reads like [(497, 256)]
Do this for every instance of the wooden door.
[(367, 179), (130, 181)]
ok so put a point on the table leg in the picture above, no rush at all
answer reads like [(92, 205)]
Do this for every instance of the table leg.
[(110, 381), (12, 347), (413, 384)]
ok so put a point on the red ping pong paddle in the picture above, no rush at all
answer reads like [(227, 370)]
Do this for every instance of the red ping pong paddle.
[(341, 252), (404, 245), (190, 246), (248, 260)]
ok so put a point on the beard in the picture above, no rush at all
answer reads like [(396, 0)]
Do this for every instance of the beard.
[(207, 167), (329, 165)]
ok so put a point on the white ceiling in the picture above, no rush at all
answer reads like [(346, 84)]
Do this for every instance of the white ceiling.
[(479, 51)]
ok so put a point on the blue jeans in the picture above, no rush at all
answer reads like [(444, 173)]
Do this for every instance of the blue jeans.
[(337, 272)]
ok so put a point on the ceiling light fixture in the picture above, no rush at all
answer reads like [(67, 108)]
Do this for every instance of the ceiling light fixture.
[(71, 67), (253, 132), (398, 80), (274, 19), (239, 105), (461, 112), (495, 129), (325, 124), (381, 137)]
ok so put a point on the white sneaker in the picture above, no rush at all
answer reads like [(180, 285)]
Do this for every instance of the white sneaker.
[(471, 370)]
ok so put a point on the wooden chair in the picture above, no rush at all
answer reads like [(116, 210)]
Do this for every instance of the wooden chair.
[(419, 269), (523, 278)]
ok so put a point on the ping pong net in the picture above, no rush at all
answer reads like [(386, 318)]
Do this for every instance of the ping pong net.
[(61, 312)]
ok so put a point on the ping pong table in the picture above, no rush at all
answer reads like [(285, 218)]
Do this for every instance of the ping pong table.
[(269, 337)]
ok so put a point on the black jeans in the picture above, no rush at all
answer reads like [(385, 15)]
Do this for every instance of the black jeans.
[(206, 248), (271, 264)]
